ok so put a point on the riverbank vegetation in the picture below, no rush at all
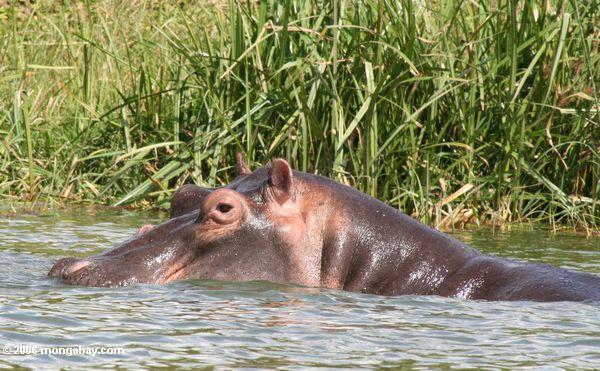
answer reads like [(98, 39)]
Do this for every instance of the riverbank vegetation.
[(453, 111)]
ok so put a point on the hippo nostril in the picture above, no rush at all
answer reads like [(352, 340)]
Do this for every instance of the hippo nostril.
[(224, 207), (76, 266)]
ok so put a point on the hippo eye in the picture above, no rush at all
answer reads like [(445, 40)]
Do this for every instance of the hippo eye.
[(224, 208)]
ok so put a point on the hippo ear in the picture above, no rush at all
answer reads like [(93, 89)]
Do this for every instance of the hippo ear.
[(241, 167), (281, 179)]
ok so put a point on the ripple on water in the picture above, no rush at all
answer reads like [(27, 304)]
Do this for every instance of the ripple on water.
[(261, 324)]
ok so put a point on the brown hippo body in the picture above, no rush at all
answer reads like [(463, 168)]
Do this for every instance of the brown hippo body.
[(280, 225)]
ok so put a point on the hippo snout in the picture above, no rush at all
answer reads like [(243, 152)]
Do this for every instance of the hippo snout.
[(66, 268), (86, 272), (153, 255)]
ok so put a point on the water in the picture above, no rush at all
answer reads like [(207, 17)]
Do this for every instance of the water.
[(261, 324)]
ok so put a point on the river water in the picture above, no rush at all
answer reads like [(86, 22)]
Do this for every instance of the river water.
[(263, 325)]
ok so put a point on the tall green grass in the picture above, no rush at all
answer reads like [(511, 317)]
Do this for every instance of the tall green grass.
[(453, 111)]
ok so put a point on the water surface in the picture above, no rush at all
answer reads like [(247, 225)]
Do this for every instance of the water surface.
[(260, 324)]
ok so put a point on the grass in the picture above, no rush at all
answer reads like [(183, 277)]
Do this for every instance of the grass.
[(453, 111)]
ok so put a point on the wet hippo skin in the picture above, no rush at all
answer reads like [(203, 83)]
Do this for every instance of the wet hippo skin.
[(286, 226)]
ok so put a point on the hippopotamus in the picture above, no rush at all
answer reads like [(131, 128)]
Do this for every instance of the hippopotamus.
[(285, 226)]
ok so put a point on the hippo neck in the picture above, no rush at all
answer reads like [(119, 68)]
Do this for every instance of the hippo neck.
[(371, 247)]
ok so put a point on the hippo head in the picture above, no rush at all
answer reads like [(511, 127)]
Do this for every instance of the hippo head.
[(255, 228)]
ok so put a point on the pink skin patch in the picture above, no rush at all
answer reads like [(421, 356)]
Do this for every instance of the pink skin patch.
[(145, 228), (77, 266)]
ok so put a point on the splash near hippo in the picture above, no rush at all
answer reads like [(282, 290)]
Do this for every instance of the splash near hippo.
[(286, 226)]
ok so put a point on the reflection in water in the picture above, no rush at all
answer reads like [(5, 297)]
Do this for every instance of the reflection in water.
[(261, 324)]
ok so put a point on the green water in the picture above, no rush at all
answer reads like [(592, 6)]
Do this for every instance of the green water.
[(260, 324)]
